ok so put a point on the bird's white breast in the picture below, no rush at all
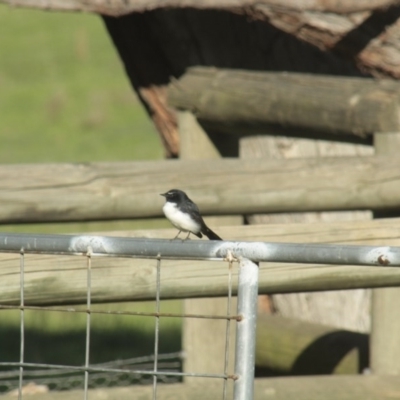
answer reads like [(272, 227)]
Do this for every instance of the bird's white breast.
[(179, 219)]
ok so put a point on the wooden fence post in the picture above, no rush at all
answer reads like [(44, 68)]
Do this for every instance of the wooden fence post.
[(204, 340), (323, 307), (194, 141), (385, 329)]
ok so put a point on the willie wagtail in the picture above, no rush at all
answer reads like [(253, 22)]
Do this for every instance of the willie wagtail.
[(185, 215)]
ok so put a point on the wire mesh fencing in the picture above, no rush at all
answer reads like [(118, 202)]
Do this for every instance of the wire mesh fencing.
[(36, 296), (21, 376)]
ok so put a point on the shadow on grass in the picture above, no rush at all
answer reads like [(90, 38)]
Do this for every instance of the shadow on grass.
[(69, 348)]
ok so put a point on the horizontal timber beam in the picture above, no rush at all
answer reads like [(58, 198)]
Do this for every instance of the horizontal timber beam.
[(253, 102), (104, 191), (58, 280)]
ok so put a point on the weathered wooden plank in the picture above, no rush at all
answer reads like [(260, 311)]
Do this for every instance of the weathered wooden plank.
[(345, 387), (100, 191), (250, 102), (62, 280)]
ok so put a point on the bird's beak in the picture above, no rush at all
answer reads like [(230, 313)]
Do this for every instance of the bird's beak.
[(163, 194)]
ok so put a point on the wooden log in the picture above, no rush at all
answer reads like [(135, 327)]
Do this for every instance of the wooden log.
[(101, 191), (250, 102), (369, 38), (203, 341), (294, 347), (120, 8), (195, 144), (154, 98), (349, 387), (385, 328), (52, 280)]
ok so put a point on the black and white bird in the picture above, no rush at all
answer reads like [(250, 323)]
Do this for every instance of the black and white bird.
[(185, 215)]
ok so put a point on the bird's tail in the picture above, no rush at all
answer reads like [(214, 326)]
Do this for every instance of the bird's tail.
[(210, 234)]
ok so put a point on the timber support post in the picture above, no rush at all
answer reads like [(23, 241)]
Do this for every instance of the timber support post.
[(385, 329)]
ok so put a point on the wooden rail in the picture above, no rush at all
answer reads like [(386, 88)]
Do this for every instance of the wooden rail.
[(101, 191), (52, 280), (252, 102)]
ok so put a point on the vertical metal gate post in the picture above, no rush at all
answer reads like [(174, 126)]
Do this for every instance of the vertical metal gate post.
[(246, 330)]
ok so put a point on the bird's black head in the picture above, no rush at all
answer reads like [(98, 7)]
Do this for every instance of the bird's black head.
[(175, 195)]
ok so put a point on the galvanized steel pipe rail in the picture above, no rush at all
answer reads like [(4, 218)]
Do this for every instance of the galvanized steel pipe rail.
[(201, 249)]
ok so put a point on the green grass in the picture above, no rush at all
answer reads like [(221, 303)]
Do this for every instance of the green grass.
[(50, 333), (64, 97), (59, 338), (57, 321)]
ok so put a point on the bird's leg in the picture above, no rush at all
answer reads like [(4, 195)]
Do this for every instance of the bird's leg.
[(187, 237), (177, 235)]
